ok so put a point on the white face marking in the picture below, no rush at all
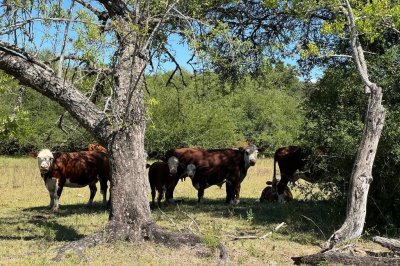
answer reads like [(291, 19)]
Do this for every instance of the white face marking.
[(250, 156), (45, 159), (173, 163), (191, 170)]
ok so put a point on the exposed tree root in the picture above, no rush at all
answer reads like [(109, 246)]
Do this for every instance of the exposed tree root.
[(122, 232), (223, 255)]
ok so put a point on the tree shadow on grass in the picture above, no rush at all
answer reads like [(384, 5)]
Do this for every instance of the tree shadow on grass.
[(66, 210), (36, 228), (319, 218)]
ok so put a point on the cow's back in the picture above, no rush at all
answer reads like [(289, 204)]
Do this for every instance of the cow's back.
[(81, 167), (212, 166)]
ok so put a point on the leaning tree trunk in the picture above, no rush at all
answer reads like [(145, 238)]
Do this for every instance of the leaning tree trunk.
[(361, 176)]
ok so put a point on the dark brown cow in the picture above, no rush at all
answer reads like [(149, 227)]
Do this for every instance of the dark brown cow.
[(74, 169), (290, 159), (216, 166), (163, 181), (96, 147)]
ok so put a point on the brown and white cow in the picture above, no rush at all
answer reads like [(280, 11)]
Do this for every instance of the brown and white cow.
[(164, 182), (216, 166), (73, 169)]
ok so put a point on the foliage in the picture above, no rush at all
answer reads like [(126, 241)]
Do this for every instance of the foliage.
[(35, 126), (208, 113), (335, 121)]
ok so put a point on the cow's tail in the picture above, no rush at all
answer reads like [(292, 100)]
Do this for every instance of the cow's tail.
[(274, 182)]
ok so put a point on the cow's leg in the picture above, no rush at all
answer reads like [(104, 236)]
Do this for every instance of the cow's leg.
[(169, 194), (161, 192), (237, 194), (200, 194), (93, 190), (51, 187), (58, 190), (230, 193), (103, 189), (153, 195), (281, 187)]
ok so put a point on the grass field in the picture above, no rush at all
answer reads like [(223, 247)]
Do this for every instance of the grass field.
[(29, 232)]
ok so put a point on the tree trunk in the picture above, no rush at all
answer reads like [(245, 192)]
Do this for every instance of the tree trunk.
[(130, 213), (361, 176)]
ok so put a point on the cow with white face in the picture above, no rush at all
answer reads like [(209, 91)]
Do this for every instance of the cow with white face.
[(217, 166), (75, 169)]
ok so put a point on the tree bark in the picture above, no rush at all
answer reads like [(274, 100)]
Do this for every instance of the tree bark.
[(392, 244), (45, 81), (361, 176), (344, 259)]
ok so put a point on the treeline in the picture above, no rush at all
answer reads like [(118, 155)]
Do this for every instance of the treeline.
[(188, 110)]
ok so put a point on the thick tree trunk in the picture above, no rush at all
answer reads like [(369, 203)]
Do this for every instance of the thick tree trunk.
[(130, 211), (130, 216), (361, 176)]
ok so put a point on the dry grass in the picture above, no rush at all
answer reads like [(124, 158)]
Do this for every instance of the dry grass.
[(29, 231)]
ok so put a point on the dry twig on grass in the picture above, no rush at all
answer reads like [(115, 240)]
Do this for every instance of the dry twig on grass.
[(258, 237)]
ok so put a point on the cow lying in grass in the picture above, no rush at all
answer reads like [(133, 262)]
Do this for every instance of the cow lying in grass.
[(73, 169), (163, 181), (270, 194)]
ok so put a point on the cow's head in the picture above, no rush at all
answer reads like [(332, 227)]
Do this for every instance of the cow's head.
[(250, 154), (191, 170), (45, 159), (173, 164)]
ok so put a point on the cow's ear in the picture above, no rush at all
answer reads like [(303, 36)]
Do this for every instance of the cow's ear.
[(34, 154)]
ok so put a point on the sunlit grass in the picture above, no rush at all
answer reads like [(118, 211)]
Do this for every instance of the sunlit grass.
[(29, 231)]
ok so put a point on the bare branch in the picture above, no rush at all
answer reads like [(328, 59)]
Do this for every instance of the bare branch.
[(102, 15), (258, 237), (11, 28)]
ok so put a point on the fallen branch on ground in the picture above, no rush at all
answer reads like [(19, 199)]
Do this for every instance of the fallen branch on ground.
[(345, 259), (258, 237), (392, 244)]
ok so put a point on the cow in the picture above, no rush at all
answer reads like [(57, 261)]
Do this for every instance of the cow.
[(73, 169), (269, 194), (216, 166), (163, 181), (294, 162), (96, 147)]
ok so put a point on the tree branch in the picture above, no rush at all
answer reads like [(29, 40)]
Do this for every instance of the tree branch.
[(43, 80)]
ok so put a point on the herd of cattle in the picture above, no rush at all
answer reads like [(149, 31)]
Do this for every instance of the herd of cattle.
[(205, 167)]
